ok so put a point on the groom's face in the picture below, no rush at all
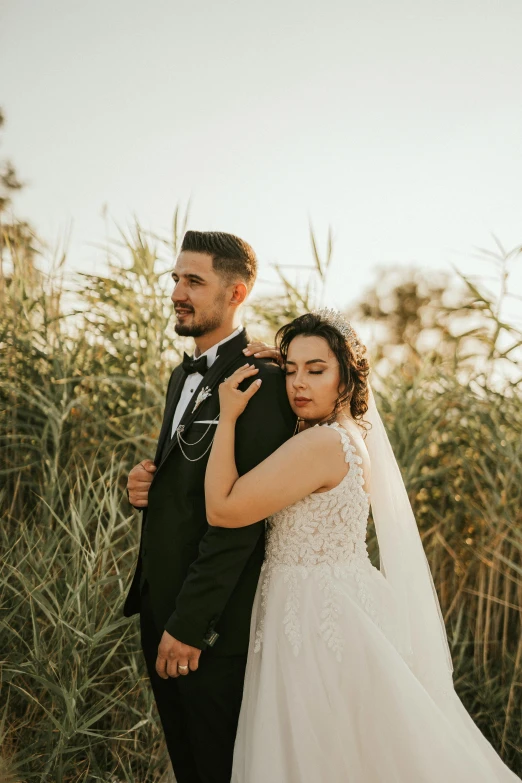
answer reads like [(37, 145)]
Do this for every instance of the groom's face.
[(200, 295)]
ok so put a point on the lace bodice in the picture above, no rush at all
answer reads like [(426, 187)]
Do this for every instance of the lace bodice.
[(322, 535), (325, 527)]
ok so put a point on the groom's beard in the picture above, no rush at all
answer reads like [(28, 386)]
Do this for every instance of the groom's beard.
[(207, 322)]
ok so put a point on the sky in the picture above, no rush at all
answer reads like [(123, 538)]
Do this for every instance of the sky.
[(398, 123)]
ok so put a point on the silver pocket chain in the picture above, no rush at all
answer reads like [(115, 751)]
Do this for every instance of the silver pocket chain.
[(180, 429)]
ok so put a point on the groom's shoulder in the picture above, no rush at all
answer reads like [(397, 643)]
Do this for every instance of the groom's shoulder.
[(268, 369), (272, 395), (272, 390), (270, 373)]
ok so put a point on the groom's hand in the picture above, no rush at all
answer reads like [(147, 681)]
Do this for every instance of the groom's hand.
[(138, 483), (173, 654)]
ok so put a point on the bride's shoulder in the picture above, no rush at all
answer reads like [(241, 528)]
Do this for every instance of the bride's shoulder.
[(320, 437), (321, 451)]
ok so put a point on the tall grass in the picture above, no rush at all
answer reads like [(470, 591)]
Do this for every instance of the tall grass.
[(82, 398)]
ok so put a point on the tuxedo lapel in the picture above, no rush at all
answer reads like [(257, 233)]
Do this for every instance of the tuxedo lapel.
[(170, 407), (227, 356)]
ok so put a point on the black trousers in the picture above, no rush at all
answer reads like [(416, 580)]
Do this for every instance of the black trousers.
[(198, 712)]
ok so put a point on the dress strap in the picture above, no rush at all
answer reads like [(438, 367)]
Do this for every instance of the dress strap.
[(350, 452), (348, 447)]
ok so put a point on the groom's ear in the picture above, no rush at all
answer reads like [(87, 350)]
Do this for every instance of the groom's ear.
[(239, 293)]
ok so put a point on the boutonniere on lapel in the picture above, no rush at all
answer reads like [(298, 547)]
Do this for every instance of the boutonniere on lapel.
[(205, 392)]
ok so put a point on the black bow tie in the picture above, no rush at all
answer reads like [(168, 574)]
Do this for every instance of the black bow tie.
[(194, 365)]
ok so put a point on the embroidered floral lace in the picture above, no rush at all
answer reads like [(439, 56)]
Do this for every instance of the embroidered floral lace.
[(323, 537)]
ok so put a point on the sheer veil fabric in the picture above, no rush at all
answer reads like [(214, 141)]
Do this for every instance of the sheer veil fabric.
[(421, 633)]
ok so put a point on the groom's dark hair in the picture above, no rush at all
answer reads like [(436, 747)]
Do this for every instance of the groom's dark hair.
[(232, 257)]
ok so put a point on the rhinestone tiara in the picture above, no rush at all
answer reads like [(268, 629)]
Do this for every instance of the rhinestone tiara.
[(339, 322)]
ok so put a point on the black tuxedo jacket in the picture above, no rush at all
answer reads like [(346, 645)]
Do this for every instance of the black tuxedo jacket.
[(202, 579)]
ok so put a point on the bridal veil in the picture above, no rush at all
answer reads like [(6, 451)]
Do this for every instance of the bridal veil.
[(421, 633)]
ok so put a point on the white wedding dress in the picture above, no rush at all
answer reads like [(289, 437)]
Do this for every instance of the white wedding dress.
[(328, 696)]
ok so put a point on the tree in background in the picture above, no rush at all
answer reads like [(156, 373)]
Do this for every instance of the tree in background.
[(15, 235), (414, 316), (9, 182)]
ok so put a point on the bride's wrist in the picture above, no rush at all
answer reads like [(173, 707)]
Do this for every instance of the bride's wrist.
[(228, 420)]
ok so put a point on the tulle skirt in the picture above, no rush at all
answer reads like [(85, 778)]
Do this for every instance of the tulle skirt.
[(310, 715)]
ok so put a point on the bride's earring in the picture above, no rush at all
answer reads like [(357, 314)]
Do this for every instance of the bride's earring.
[(297, 424)]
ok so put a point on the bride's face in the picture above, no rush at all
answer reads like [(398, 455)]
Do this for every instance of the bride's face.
[(312, 378)]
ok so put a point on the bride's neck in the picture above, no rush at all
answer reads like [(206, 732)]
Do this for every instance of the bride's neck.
[(342, 416)]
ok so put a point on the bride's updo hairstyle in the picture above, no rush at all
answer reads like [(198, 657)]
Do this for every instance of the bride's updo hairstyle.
[(342, 340)]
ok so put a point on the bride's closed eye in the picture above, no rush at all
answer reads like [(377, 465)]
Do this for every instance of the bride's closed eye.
[(312, 372)]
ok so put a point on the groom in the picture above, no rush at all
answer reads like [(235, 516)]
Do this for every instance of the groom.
[(194, 584)]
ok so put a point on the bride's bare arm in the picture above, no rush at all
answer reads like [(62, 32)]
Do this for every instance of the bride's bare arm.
[(312, 460)]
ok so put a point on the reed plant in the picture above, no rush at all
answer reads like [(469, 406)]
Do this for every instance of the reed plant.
[(83, 372)]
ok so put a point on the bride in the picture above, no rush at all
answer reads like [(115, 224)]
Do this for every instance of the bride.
[(349, 673)]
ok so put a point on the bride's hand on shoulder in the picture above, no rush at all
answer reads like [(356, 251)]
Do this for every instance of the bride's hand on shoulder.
[(233, 401), (263, 351)]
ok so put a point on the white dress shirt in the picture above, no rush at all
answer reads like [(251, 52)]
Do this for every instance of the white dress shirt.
[(193, 380)]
